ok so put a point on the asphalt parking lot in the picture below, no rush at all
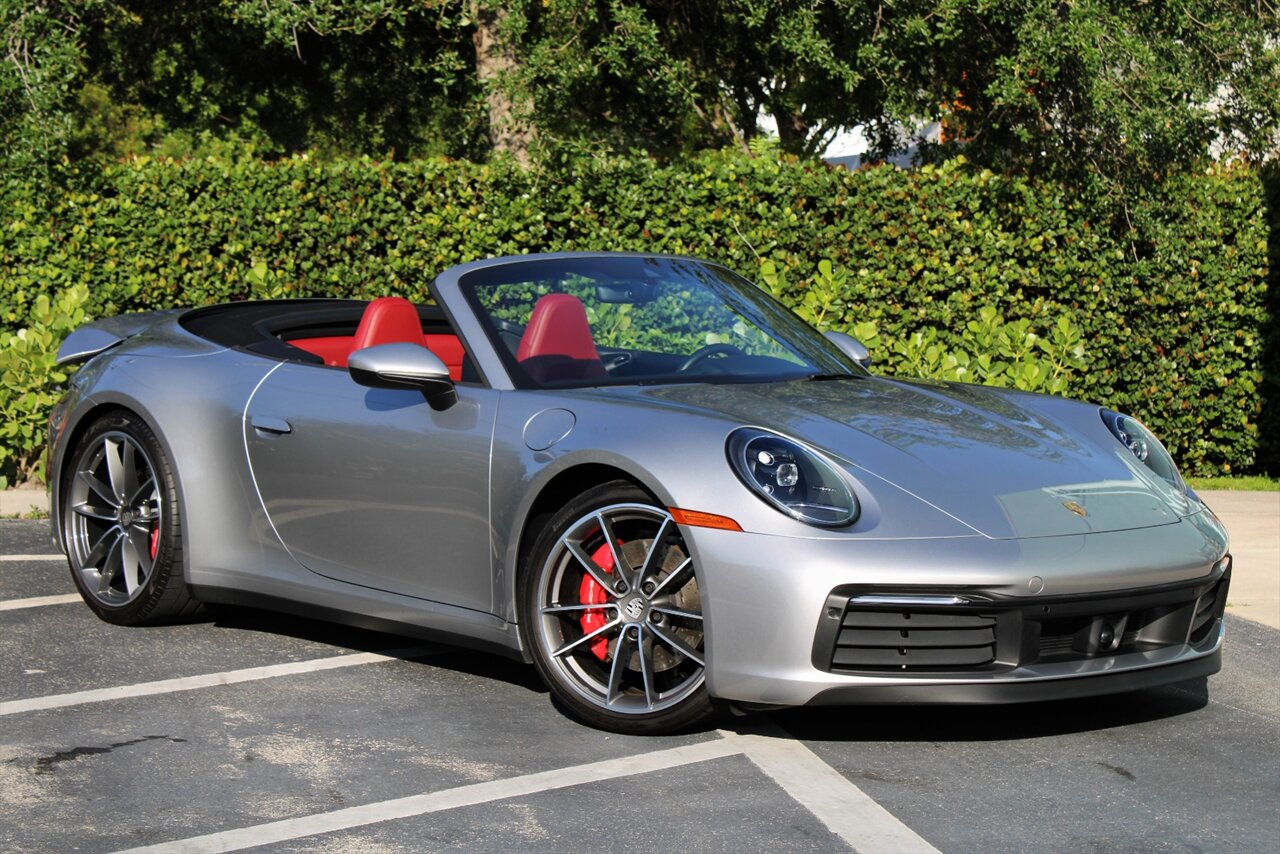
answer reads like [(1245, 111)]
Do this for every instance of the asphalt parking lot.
[(251, 730)]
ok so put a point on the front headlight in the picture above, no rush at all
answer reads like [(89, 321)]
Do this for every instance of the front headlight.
[(1144, 445), (792, 477)]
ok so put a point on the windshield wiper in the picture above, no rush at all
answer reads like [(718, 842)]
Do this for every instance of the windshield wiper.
[(816, 378)]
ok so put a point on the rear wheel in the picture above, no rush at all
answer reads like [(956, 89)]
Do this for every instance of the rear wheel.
[(612, 614), (121, 526)]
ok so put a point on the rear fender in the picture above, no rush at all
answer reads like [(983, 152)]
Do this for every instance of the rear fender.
[(197, 416), (93, 338)]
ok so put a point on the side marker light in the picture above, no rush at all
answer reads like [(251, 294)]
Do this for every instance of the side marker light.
[(698, 519)]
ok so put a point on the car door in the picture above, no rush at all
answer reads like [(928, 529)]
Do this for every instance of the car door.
[(372, 486)]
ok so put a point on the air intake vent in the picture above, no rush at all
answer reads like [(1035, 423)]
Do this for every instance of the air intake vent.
[(1208, 608), (913, 640)]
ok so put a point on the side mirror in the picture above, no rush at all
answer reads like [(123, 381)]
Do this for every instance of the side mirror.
[(404, 366), (851, 347)]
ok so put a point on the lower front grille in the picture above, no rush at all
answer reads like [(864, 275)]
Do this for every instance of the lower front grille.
[(905, 640), (869, 631)]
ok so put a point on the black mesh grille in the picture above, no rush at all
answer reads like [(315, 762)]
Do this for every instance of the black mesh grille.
[(1055, 645), (906, 640)]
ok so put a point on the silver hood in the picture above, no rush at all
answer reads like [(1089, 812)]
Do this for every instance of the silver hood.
[(1005, 463)]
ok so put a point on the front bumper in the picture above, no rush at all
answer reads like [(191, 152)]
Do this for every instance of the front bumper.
[(793, 622), (951, 692)]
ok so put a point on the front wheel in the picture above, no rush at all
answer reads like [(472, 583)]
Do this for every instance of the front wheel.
[(611, 612)]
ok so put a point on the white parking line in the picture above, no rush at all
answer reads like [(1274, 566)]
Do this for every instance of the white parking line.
[(38, 601), (845, 809), (210, 680), (462, 796), (22, 558)]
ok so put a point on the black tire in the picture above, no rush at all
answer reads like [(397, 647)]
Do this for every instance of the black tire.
[(657, 685), (122, 525)]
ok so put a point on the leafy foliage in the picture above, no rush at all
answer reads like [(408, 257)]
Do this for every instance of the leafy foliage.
[(988, 350), (1113, 90), (38, 73), (1172, 313), (30, 382), (671, 77), (105, 79)]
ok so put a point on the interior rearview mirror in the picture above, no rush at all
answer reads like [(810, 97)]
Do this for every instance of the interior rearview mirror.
[(636, 293)]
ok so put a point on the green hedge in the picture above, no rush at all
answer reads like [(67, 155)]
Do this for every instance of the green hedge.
[(1169, 296)]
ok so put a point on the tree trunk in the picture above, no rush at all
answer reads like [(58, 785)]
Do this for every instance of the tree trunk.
[(510, 117), (793, 131)]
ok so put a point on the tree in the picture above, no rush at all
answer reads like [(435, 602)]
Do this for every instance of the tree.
[(1113, 90), (510, 105), (40, 65), (1120, 90), (672, 76), (384, 77), (102, 79)]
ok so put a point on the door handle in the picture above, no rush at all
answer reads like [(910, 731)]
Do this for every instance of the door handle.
[(268, 426)]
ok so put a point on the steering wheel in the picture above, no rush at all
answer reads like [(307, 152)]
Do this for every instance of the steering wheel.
[(703, 353)]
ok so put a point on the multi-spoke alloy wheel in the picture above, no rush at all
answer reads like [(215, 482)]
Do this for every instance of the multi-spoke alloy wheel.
[(119, 522), (613, 614)]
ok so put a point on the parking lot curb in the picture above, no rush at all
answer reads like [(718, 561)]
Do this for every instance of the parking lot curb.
[(19, 502)]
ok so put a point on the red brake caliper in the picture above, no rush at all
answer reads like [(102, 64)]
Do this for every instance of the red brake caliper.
[(591, 593), (155, 541)]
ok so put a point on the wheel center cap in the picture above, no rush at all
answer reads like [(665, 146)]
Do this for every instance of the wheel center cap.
[(126, 517), (634, 609)]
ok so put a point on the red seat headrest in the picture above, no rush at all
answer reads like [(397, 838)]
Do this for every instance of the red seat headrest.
[(557, 343), (558, 327), (388, 320)]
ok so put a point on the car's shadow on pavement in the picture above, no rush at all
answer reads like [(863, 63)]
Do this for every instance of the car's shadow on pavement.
[(485, 665), (993, 722)]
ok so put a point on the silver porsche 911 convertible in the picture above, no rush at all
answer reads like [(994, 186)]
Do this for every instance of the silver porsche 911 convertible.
[(640, 474)]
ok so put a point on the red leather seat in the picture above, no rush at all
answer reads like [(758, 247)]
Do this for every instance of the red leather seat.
[(450, 351), (332, 348), (557, 343), (388, 320)]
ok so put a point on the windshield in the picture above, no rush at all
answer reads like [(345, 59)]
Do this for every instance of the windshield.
[(632, 320)]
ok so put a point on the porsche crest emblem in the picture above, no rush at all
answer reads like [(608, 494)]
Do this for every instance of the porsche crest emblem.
[(1075, 508)]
